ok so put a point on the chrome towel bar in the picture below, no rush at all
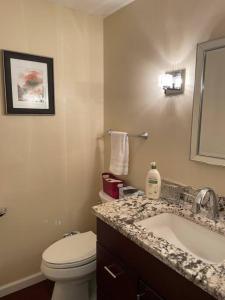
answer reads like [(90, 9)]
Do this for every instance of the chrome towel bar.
[(143, 135)]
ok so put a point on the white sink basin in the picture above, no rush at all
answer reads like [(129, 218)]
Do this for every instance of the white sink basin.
[(188, 236)]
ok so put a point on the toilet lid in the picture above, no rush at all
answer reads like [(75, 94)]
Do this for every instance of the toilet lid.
[(72, 251)]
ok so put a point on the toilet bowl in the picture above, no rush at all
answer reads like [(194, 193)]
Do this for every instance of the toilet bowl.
[(71, 264)]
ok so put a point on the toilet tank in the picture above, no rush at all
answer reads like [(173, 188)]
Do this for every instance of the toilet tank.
[(105, 198)]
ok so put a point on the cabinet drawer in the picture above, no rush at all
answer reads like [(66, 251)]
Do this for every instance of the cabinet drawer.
[(113, 278)]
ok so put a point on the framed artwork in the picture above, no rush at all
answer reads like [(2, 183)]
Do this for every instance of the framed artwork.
[(29, 84)]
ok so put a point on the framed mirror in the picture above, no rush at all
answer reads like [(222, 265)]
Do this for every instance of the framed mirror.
[(208, 122)]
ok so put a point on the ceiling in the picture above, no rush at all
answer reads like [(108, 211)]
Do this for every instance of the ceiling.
[(95, 7)]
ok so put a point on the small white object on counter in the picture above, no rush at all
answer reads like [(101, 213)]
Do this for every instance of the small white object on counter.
[(153, 183)]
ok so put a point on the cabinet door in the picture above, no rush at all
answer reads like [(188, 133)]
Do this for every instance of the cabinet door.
[(146, 293), (114, 280)]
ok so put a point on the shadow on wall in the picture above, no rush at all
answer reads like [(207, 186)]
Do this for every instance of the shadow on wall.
[(92, 193), (2, 91), (218, 31), (173, 38)]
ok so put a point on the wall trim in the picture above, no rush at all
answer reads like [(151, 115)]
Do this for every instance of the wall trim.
[(21, 284)]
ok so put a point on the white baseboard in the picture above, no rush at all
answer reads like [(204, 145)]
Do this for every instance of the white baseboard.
[(21, 284)]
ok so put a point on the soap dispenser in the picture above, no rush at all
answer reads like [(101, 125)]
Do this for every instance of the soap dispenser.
[(153, 183)]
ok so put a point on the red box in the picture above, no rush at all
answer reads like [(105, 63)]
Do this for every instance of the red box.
[(111, 185)]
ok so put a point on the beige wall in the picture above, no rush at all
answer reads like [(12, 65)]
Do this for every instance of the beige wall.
[(49, 165), (143, 41)]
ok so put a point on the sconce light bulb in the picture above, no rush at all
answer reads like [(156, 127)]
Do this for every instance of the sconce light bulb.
[(166, 81)]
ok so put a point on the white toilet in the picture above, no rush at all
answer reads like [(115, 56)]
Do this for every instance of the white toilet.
[(71, 263)]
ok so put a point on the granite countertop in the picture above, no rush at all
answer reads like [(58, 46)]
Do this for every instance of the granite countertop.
[(121, 215)]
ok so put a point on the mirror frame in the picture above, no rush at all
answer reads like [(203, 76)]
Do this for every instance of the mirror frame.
[(202, 49)]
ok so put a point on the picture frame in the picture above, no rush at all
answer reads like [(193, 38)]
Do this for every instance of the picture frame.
[(29, 84)]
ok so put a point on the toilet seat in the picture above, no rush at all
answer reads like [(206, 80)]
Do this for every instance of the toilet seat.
[(71, 252), (70, 265), (64, 274)]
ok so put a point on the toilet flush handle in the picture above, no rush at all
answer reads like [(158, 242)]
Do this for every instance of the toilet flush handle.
[(3, 211), (70, 233)]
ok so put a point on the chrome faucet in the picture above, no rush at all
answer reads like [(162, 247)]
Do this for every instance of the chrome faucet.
[(207, 198)]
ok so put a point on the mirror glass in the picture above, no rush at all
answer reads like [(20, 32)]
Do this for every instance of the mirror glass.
[(208, 126)]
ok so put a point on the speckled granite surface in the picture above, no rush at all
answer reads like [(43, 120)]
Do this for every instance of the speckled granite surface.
[(122, 215)]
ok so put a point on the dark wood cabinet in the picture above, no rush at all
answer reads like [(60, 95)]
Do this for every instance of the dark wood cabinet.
[(125, 271), (146, 293), (114, 279)]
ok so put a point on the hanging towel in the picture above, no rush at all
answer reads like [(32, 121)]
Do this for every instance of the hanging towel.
[(119, 153)]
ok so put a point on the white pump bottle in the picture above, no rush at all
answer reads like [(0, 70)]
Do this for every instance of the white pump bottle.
[(153, 183)]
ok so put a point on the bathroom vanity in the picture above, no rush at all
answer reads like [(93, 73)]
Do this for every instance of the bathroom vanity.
[(133, 263)]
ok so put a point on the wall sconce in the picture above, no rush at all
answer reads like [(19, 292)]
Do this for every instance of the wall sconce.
[(173, 82)]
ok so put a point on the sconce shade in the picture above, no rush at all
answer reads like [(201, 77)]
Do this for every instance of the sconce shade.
[(173, 82)]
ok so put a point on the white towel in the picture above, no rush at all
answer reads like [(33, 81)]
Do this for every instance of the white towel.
[(119, 153)]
